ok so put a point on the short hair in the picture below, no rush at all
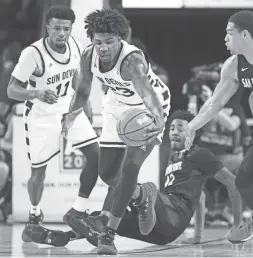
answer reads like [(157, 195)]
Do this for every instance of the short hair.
[(61, 12), (107, 21), (184, 115), (243, 20)]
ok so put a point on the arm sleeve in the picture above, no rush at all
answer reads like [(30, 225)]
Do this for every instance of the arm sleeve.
[(207, 162), (27, 64)]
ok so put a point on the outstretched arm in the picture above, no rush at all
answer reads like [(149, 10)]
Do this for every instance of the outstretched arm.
[(135, 68), (79, 102), (225, 89)]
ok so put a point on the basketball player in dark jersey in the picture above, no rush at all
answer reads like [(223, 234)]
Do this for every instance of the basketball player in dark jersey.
[(186, 175), (236, 72)]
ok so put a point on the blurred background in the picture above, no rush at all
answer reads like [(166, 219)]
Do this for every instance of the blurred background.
[(185, 42)]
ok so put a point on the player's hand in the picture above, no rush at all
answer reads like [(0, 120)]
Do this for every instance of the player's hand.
[(189, 137), (154, 130), (47, 96), (68, 120)]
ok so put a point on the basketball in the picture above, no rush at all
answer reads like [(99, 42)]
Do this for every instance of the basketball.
[(131, 126)]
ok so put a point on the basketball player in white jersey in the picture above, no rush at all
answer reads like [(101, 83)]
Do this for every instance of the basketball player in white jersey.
[(48, 67), (126, 71)]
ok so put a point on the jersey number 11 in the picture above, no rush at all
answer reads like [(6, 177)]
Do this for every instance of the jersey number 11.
[(65, 89)]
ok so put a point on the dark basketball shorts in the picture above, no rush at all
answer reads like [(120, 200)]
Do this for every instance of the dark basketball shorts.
[(173, 217)]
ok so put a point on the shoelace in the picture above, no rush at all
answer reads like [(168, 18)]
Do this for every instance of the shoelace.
[(142, 209), (32, 219), (107, 235), (84, 214), (248, 224)]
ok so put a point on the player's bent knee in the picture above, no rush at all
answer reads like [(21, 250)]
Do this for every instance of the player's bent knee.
[(109, 179)]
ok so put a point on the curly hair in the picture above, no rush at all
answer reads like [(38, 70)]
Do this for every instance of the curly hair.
[(183, 115), (107, 21), (61, 12)]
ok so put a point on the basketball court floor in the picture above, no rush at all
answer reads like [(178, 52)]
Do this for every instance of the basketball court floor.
[(214, 245)]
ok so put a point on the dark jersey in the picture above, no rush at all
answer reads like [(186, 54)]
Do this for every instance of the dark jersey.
[(245, 72), (187, 173)]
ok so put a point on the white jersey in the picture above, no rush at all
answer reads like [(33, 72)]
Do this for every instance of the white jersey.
[(119, 89), (54, 71)]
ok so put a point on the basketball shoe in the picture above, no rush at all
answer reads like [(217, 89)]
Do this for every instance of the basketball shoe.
[(242, 233), (106, 242), (72, 216), (58, 238), (32, 222), (146, 208)]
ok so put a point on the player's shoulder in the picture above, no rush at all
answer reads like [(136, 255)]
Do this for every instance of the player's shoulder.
[(32, 50), (77, 43), (229, 68), (198, 153), (87, 53), (134, 57)]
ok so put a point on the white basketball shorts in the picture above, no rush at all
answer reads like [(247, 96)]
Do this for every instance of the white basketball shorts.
[(43, 134)]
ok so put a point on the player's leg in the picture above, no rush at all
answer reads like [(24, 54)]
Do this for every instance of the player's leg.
[(112, 149), (83, 137), (42, 142), (110, 162), (89, 174), (129, 227), (35, 187), (88, 179), (167, 228), (133, 160), (232, 162), (244, 183)]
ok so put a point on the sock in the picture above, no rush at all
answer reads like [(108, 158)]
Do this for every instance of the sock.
[(35, 210), (113, 222), (105, 213), (140, 197), (136, 192), (80, 204)]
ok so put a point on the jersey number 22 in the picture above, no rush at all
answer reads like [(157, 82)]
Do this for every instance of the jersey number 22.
[(170, 179)]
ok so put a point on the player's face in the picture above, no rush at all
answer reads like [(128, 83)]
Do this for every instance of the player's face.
[(59, 32), (234, 39), (107, 46), (177, 134)]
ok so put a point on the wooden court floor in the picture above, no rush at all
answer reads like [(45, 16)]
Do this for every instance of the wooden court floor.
[(214, 245)]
